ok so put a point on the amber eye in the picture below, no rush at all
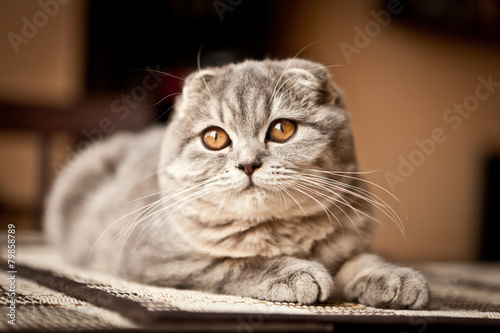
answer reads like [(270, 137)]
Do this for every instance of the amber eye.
[(215, 138), (281, 130)]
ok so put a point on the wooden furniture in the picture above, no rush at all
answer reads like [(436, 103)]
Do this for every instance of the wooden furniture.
[(89, 121)]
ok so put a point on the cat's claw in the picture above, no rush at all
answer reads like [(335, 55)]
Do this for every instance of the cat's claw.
[(400, 288)]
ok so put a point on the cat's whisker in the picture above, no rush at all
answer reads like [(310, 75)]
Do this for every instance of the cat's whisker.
[(130, 228), (295, 75), (111, 226), (346, 174), (219, 207), (164, 98), (292, 197), (290, 89), (198, 61), (280, 192), (159, 223), (361, 193), (356, 189), (180, 190), (365, 196), (122, 233), (145, 177), (339, 198), (142, 213), (338, 65), (145, 215), (287, 93), (163, 73), (334, 202), (341, 172), (183, 201), (151, 218), (328, 212), (273, 94), (325, 184), (167, 111), (166, 199), (147, 212)]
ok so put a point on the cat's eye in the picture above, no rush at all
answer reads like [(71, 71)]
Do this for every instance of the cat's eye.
[(215, 138), (281, 130)]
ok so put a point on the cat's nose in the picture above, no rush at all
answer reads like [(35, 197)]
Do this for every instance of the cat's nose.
[(249, 168)]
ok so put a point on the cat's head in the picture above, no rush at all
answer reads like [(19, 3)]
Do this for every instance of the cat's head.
[(242, 135)]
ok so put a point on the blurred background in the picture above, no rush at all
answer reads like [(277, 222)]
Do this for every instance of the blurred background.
[(421, 81)]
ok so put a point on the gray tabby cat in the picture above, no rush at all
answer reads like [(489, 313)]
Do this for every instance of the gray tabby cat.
[(252, 189)]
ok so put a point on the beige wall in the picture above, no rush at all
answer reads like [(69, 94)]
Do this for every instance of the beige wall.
[(397, 89), (45, 69), (42, 65)]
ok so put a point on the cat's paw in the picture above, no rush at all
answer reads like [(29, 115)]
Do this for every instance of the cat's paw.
[(393, 288), (304, 286)]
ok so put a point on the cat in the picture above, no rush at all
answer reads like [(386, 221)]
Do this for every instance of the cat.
[(251, 189)]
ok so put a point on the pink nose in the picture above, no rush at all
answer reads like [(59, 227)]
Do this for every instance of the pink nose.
[(250, 168)]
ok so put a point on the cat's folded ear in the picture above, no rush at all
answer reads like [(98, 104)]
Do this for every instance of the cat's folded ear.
[(309, 78), (198, 81), (195, 85)]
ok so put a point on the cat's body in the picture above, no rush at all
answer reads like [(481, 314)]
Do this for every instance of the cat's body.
[(251, 189)]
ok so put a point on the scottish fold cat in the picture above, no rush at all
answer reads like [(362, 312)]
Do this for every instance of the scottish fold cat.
[(251, 189)]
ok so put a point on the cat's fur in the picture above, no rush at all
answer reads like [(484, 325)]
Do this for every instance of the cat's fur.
[(160, 208)]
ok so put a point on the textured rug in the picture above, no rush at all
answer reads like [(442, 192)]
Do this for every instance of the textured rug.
[(41, 292)]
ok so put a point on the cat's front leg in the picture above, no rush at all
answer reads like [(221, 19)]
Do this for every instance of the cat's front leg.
[(368, 279), (283, 279)]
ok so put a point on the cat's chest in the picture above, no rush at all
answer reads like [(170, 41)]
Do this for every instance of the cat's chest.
[(273, 238)]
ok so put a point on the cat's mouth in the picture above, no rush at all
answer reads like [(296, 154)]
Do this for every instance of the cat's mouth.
[(250, 186)]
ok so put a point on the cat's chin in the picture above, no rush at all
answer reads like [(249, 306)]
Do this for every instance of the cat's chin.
[(253, 194), (255, 203)]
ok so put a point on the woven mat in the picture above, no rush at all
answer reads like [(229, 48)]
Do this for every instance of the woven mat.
[(51, 295)]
